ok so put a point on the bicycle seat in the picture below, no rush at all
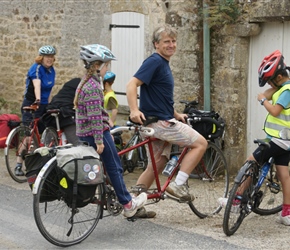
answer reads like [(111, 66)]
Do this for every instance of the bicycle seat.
[(149, 120), (53, 111), (31, 108)]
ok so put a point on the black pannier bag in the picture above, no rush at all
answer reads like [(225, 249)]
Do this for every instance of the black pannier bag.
[(83, 171), (204, 123), (34, 163)]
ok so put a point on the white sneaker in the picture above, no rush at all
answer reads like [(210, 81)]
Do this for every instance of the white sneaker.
[(223, 202), (137, 202), (285, 220)]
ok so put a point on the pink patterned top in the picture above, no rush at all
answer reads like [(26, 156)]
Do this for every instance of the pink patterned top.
[(91, 117)]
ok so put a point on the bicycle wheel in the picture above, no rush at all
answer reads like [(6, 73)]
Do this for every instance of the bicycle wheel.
[(49, 137), (19, 143), (55, 219), (209, 181), (270, 196), (239, 206)]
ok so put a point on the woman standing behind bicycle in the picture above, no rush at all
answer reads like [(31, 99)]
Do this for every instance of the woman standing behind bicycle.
[(92, 122), (39, 82), (274, 72)]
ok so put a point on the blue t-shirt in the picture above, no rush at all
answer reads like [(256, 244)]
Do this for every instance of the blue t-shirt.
[(284, 98), (47, 78), (156, 93)]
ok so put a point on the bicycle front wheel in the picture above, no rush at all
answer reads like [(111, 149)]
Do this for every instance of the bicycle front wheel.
[(209, 181), (57, 222), (239, 205), (270, 196), (19, 143), (49, 137)]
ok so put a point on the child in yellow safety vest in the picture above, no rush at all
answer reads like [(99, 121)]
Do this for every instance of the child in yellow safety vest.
[(110, 100)]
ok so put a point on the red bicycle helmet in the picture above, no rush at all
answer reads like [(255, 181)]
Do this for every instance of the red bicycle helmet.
[(269, 67)]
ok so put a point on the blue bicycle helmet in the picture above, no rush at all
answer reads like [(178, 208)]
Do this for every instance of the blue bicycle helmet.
[(109, 77), (96, 52), (46, 50)]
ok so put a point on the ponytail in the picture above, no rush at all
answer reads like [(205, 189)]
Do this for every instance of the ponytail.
[(91, 69)]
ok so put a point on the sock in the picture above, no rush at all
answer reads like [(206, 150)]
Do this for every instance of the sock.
[(181, 178), (128, 205), (285, 210)]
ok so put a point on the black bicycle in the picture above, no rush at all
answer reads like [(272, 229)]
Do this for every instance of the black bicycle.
[(256, 189), (135, 158)]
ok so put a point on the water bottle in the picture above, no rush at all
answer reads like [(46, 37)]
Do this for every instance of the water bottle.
[(63, 139), (170, 166), (264, 172)]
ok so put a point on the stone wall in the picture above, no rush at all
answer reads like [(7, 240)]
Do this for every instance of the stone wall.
[(26, 25)]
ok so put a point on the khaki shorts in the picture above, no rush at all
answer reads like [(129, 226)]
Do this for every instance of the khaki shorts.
[(170, 132)]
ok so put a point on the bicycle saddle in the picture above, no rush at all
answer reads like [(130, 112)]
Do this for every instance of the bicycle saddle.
[(149, 120)]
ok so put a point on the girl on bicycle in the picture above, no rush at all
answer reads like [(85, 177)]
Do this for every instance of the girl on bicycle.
[(39, 82), (274, 72), (92, 122)]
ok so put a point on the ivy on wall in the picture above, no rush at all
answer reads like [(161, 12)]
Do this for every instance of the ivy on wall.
[(221, 12)]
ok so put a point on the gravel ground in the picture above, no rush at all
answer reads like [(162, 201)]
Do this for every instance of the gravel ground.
[(256, 232)]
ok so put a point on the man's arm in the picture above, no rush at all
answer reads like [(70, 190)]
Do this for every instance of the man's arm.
[(131, 91)]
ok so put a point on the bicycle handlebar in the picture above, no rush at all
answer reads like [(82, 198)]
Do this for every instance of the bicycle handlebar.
[(146, 130), (219, 125)]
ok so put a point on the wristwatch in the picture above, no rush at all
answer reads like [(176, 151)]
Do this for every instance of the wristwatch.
[(263, 100)]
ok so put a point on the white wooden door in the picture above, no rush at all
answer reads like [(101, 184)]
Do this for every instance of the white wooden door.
[(128, 47), (273, 36)]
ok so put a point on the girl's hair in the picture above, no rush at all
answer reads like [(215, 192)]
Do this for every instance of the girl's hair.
[(167, 29), (91, 69), (39, 59)]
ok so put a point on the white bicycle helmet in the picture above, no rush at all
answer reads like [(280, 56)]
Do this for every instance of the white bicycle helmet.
[(46, 50), (96, 52)]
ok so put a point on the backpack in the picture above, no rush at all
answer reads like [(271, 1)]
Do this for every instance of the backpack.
[(7, 123), (82, 172)]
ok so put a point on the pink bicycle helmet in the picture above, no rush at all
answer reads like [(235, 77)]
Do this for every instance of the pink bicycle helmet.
[(269, 67)]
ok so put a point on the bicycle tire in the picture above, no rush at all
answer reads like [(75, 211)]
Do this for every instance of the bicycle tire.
[(209, 181), (17, 145), (53, 217), (233, 217), (271, 196), (49, 137)]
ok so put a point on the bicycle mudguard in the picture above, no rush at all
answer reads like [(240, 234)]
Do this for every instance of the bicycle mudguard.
[(41, 174), (243, 170)]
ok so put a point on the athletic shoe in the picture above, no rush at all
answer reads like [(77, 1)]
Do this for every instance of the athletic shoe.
[(18, 171), (143, 214), (285, 220), (179, 191), (137, 202), (235, 207)]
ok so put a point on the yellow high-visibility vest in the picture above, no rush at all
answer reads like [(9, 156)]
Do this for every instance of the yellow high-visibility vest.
[(273, 124)]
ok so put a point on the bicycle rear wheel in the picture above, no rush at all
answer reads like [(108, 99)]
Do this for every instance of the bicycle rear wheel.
[(49, 137), (209, 181), (53, 216), (239, 206), (19, 143), (270, 196)]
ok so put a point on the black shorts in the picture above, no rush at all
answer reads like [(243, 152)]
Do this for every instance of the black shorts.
[(280, 155)]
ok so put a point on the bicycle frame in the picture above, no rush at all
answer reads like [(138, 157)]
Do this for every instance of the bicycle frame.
[(148, 140)]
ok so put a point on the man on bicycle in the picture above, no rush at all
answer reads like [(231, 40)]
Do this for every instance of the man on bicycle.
[(274, 72), (155, 79)]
